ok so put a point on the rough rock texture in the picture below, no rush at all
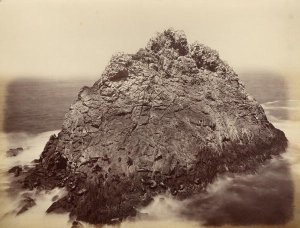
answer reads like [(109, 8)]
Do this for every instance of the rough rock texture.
[(169, 118)]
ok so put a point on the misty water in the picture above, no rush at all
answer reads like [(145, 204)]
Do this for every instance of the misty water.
[(35, 110)]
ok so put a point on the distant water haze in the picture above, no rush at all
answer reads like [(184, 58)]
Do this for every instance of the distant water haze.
[(37, 106)]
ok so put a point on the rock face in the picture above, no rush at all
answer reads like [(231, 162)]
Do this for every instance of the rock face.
[(169, 118)]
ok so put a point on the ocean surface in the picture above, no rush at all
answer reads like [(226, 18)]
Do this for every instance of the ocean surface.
[(35, 110)]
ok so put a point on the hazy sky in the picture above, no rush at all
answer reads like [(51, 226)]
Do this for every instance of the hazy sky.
[(63, 38)]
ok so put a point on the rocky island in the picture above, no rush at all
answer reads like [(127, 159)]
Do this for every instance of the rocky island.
[(168, 119)]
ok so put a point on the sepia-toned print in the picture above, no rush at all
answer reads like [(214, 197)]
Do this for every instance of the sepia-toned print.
[(149, 114)]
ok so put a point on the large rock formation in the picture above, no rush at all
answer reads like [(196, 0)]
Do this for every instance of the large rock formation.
[(170, 118)]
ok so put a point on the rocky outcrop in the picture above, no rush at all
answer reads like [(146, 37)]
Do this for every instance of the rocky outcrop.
[(170, 118)]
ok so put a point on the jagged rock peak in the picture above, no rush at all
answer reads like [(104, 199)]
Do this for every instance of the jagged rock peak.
[(169, 39), (170, 55)]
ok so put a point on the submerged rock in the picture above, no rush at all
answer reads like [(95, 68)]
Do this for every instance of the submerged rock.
[(26, 203), (171, 117), (14, 152), (16, 170)]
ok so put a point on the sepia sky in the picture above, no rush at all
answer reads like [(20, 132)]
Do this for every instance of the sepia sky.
[(76, 38)]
